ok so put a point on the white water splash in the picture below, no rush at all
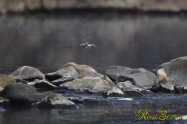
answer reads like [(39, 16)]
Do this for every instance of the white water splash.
[(126, 99)]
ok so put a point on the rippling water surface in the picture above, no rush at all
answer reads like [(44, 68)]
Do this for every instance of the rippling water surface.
[(112, 112)]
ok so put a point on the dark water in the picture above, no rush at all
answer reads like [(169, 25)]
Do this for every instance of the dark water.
[(47, 41), (112, 112)]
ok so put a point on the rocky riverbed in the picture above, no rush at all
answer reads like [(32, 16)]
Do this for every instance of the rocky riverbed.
[(75, 84)]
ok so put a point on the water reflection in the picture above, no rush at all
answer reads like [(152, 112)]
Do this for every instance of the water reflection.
[(113, 112), (49, 41)]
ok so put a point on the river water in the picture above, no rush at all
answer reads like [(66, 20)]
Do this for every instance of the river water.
[(47, 41)]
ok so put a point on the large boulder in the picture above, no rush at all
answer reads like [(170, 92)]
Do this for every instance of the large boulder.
[(139, 77), (27, 73), (83, 70), (91, 85), (19, 93), (72, 71), (5, 80), (176, 69)]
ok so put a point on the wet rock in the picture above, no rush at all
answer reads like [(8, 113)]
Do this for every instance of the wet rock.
[(54, 100), (66, 72), (86, 99), (90, 74), (33, 4), (71, 71), (4, 101), (167, 85), (117, 73), (5, 80), (62, 80), (42, 84), (19, 93), (80, 68), (87, 84), (177, 69), (2, 109), (131, 90), (114, 92), (146, 80), (139, 77), (161, 74), (27, 73)]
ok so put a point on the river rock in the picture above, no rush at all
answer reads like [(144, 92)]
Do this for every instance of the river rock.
[(4, 101), (62, 80), (19, 93), (27, 73), (177, 69), (139, 77), (117, 73), (71, 71), (167, 85), (87, 99), (129, 89), (80, 68), (66, 72), (90, 74), (5, 80), (42, 84), (87, 84), (114, 92), (54, 100), (161, 74)]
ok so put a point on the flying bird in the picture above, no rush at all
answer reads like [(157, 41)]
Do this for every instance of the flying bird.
[(87, 45)]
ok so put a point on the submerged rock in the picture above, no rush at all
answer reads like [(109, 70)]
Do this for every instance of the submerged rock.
[(87, 99), (5, 80), (54, 100), (139, 77), (177, 69), (27, 73), (19, 93), (90, 85)]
